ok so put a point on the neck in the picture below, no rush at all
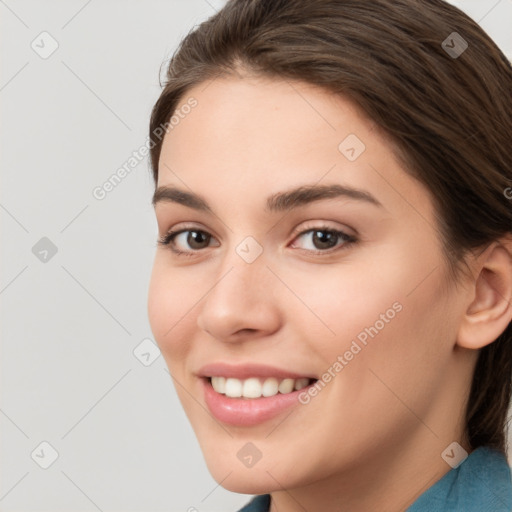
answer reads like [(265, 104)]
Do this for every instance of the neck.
[(389, 480)]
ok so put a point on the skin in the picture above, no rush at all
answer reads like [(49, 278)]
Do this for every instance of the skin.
[(372, 438)]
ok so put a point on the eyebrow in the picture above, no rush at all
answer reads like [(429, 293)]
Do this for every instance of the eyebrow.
[(278, 202)]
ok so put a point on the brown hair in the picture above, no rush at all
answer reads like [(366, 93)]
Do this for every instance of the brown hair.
[(449, 118)]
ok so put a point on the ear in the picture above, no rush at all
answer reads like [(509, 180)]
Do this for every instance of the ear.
[(490, 309)]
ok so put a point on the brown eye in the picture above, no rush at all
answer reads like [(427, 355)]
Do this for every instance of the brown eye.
[(322, 239), (186, 240), (197, 239)]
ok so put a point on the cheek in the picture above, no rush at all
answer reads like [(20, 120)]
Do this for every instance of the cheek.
[(159, 305), (346, 299), (389, 315), (170, 304)]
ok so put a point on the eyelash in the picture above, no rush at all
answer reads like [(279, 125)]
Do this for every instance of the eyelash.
[(167, 240)]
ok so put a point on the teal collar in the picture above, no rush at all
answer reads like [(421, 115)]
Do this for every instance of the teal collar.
[(482, 483)]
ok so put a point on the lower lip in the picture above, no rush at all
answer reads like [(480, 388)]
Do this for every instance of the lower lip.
[(246, 412)]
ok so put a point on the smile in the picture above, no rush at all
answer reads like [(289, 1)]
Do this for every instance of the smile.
[(255, 387), (247, 411)]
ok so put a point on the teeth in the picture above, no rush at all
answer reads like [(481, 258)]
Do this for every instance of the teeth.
[(270, 387), (255, 387), (233, 388), (251, 388), (301, 383), (286, 386), (219, 384)]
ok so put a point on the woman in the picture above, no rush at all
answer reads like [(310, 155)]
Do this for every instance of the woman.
[(333, 280)]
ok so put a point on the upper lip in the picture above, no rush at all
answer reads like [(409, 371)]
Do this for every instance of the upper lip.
[(247, 370)]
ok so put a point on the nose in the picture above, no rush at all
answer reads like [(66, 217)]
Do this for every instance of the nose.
[(241, 303)]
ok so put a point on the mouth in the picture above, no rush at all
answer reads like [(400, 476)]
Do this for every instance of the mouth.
[(257, 387), (254, 400)]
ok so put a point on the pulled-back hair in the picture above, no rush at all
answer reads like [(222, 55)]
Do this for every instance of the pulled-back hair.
[(448, 117)]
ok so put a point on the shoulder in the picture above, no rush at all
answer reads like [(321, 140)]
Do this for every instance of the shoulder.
[(482, 482), (260, 503)]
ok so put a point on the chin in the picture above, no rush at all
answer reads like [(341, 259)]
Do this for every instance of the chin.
[(246, 481), (234, 476)]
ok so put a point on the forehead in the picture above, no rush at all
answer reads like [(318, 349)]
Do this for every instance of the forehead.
[(260, 121), (255, 136), (259, 102)]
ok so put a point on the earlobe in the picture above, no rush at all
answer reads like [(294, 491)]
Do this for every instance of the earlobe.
[(490, 310)]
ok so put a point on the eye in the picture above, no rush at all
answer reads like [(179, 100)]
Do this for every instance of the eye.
[(324, 239), (186, 241), (320, 240)]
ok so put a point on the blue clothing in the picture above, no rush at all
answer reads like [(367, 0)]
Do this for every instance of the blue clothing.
[(482, 483)]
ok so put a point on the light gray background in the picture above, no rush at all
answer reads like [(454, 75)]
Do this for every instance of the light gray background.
[(70, 325)]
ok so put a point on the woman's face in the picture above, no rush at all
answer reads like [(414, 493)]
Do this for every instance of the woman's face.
[(308, 253)]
